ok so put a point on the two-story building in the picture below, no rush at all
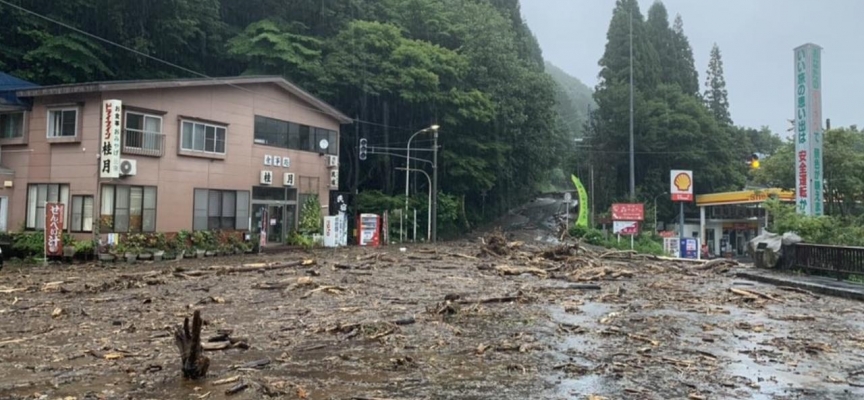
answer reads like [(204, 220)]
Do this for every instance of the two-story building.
[(196, 154)]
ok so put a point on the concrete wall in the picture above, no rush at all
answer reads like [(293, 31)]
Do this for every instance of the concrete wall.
[(37, 160)]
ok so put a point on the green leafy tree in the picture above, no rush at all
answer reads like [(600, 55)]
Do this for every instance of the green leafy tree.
[(267, 47), (716, 97)]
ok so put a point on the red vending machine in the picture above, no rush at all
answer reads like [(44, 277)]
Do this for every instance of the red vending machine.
[(370, 230)]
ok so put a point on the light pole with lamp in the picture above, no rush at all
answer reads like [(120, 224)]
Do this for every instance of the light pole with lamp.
[(429, 201), (408, 162), (655, 209)]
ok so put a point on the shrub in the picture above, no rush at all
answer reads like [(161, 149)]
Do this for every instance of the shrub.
[(29, 244)]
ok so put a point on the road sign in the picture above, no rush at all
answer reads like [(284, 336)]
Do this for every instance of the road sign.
[(625, 228), (628, 212), (568, 197), (681, 185)]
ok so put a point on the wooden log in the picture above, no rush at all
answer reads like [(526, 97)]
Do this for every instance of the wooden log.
[(188, 342)]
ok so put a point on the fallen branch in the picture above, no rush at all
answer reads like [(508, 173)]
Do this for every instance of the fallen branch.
[(226, 381), (508, 270), (756, 295), (327, 288), (250, 267)]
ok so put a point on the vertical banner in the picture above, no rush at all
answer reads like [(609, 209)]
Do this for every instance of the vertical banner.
[(582, 219), (54, 214), (109, 162), (808, 130)]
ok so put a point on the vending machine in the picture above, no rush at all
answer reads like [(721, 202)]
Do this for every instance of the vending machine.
[(370, 230)]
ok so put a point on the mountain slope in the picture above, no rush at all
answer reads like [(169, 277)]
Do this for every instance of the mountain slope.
[(574, 99)]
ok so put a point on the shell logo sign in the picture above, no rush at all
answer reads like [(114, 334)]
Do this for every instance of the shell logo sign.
[(682, 185)]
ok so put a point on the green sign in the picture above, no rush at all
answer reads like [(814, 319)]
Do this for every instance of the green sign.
[(582, 220)]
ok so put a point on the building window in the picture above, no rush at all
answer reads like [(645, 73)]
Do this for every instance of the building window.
[(143, 134), (128, 209), (290, 135), (12, 125), (220, 209), (202, 138), (37, 196), (82, 214), (62, 122)]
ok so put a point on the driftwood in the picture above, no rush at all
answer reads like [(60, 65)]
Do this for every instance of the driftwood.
[(248, 268), (188, 342)]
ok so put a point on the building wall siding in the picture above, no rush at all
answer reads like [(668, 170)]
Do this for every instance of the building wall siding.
[(175, 176)]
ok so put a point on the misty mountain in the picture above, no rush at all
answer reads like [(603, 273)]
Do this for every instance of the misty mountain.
[(574, 99)]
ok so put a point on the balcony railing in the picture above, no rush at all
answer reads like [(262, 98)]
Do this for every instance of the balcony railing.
[(143, 143)]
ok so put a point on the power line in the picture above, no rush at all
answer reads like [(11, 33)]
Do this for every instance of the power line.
[(187, 70)]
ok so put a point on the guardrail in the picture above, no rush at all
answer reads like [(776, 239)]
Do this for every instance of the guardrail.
[(818, 259)]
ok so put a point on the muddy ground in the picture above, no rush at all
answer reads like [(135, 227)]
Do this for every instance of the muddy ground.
[(519, 322)]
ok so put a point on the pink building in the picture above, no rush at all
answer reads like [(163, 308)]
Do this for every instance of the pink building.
[(195, 154)]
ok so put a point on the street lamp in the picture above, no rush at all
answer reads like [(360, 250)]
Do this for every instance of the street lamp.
[(428, 204), (408, 162), (655, 209)]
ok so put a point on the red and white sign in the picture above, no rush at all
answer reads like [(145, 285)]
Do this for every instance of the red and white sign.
[(625, 228), (54, 214), (628, 212), (667, 234), (681, 185)]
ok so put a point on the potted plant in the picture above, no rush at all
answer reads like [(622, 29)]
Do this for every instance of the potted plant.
[(106, 253), (84, 249), (68, 246)]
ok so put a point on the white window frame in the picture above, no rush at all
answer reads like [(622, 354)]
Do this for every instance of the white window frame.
[(49, 132), (144, 116), (23, 123), (205, 125)]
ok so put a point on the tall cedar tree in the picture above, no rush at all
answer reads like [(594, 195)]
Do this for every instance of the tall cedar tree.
[(688, 77), (716, 96)]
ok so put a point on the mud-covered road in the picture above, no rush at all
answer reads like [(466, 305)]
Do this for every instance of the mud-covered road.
[(519, 322)]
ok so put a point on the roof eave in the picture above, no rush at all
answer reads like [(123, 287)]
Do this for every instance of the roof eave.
[(143, 85)]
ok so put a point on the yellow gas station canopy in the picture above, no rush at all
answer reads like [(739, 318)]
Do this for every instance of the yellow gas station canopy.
[(743, 197)]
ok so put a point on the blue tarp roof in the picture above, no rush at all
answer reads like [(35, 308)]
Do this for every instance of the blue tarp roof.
[(8, 85)]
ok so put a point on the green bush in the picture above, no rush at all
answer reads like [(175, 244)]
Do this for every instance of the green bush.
[(310, 216), (590, 236), (29, 244), (820, 230)]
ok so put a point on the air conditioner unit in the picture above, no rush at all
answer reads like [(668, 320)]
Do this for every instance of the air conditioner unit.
[(128, 167), (334, 178), (266, 177), (288, 179), (332, 161)]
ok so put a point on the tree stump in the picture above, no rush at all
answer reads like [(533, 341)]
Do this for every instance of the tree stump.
[(195, 364)]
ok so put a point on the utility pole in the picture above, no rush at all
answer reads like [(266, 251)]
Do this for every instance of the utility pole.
[(356, 177), (632, 157), (435, 186)]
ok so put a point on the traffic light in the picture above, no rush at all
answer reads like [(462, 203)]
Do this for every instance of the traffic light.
[(754, 161), (363, 148)]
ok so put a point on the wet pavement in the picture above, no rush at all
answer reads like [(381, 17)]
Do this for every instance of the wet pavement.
[(434, 322)]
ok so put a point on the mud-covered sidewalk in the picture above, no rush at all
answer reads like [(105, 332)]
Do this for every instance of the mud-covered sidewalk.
[(492, 320)]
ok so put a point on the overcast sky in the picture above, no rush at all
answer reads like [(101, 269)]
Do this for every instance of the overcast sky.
[(756, 38)]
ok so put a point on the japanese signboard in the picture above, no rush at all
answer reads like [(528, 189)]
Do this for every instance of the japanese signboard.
[(681, 185), (110, 140), (628, 212), (625, 228), (54, 214), (808, 130)]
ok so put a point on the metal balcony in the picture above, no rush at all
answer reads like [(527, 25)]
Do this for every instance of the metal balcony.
[(143, 143)]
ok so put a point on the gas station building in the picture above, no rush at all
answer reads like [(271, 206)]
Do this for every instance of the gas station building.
[(727, 221)]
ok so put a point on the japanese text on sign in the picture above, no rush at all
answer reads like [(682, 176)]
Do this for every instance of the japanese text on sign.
[(54, 213), (109, 148), (628, 212)]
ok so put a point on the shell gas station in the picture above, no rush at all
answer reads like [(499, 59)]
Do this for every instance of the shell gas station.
[(728, 220)]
